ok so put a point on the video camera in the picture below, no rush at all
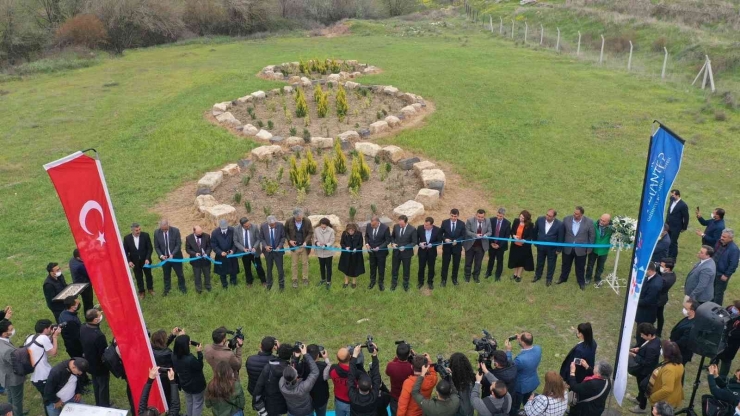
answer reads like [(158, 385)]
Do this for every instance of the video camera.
[(411, 349), (237, 334), (442, 365), (485, 346), (59, 326), (367, 344)]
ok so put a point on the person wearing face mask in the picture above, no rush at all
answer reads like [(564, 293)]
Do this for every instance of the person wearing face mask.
[(94, 344), (680, 334), (65, 385), (13, 383), (53, 285), (71, 329), (198, 245), (669, 279)]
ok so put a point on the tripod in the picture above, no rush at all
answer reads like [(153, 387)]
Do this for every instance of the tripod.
[(689, 410)]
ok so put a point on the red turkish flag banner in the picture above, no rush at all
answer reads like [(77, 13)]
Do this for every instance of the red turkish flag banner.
[(82, 190)]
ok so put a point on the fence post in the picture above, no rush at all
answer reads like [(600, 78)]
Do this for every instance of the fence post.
[(490, 19), (542, 33), (501, 26), (578, 51), (601, 56), (629, 61), (711, 75), (512, 28), (665, 61), (557, 45), (526, 29)]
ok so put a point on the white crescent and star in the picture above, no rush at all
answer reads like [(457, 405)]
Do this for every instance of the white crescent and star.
[(91, 205)]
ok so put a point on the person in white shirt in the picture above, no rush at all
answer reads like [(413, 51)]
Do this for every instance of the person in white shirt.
[(42, 345), (65, 384)]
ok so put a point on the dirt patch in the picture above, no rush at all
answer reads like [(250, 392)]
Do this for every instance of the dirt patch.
[(340, 28)]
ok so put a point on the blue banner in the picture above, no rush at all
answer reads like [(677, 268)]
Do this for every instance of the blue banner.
[(664, 162)]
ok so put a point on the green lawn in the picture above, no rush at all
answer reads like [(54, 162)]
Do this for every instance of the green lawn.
[(530, 129)]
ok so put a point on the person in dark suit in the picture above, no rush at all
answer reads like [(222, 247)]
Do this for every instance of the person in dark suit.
[(643, 360), (428, 235), (94, 344), (79, 275), (477, 229), (548, 229), (661, 248), (403, 239), (222, 242), (726, 259), (714, 227), (647, 305), (138, 248), (53, 285), (168, 245), (500, 227), (669, 279), (579, 229), (198, 245), (681, 333), (272, 234), (452, 233), (677, 220), (246, 240), (377, 238), (520, 257)]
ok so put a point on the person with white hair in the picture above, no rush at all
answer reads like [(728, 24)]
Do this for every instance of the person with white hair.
[(726, 257), (272, 234), (222, 243), (168, 245), (593, 391), (299, 233)]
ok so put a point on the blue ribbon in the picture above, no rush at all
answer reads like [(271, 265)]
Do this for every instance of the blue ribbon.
[(188, 260)]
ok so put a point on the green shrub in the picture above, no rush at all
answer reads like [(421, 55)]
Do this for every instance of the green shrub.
[(280, 172), (270, 125), (270, 187), (352, 213), (329, 182), (355, 178), (317, 93), (303, 67), (364, 168), (322, 108), (301, 107), (293, 131), (342, 106), (293, 171), (340, 160), (238, 197), (303, 179), (312, 166), (306, 136), (248, 207)]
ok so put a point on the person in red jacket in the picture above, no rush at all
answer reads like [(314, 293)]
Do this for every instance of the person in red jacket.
[(407, 406), (338, 374), (399, 370)]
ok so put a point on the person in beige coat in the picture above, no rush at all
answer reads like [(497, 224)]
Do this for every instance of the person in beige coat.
[(324, 237)]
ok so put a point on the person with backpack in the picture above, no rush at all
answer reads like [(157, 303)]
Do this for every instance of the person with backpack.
[(65, 384), (174, 406), (189, 371), (498, 403), (40, 347), (94, 345), (11, 381), (267, 396)]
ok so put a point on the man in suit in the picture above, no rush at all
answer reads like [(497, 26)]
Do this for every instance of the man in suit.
[(377, 238), (579, 230), (404, 239), (198, 245), (138, 248), (681, 333), (646, 356), (678, 220), (452, 234), (526, 363), (700, 280), (12, 383), (299, 233), (53, 285), (94, 344), (647, 305), (272, 234), (168, 245), (501, 227), (548, 229), (714, 227), (428, 235), (222, 242), (726, 258), (79, 275), (476, 230), (246, 240), (602, 235)]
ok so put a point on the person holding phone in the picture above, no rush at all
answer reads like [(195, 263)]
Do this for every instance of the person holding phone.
[(714, 226), (189, 371), (174, 407), (585, 350), (163, 356)]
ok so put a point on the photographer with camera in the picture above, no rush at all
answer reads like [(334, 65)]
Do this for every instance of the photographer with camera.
[(447, 401), (174, 407), (504, 370), (320, 390), (41, 346), (399, 370), (297, 391), (267, 398), (364, 388), (219, 351), (338, 373), (497, 403), (70, 325), (256, 363), (189, 371), (406, 404), (526, 363)]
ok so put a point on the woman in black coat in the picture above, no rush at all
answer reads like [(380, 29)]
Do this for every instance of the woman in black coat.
[(584, 350), (351, 264), (520, 254), (593, 391), (190, 374), (163, 356)]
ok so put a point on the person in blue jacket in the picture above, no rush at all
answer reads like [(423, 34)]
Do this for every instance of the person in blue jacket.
[(526, 363)]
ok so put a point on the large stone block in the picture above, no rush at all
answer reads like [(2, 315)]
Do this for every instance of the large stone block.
[(390, 90), (288, 89), (420, 166), (203, 202), (387, 221), (322, 142), (408, 98), (391, 154), (231, 169), (211, 181), (259, 95), (245, 99), (250, 130), (412, 209), (408, 163), (267, 152), (228, 118), (263, 135), (333, 220), (367, 148), (305, 82), (277, 139), (334, 78), (351, 85), (393, 121), (408, 111), (294, 141), (379, 127), (350, 135), (438, 185), (220, 108), (428, 197), (432, 175), (220, 212)]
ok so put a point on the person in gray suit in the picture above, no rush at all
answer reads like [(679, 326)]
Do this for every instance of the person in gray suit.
[(700, 280), (272, 238), (580, 230), (476, 230), (246, 240), (403, 239), (13, 383), (168, 245)]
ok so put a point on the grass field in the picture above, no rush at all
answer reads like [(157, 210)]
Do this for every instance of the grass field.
[(530, 129)]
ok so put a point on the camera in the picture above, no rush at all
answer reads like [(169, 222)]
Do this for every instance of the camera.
[(237, 334), (513, 338), (485, 346), (442, 365), (59, 326), (369, 344), (194, 343), (321, 350), (297, 346), (164, 370)]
